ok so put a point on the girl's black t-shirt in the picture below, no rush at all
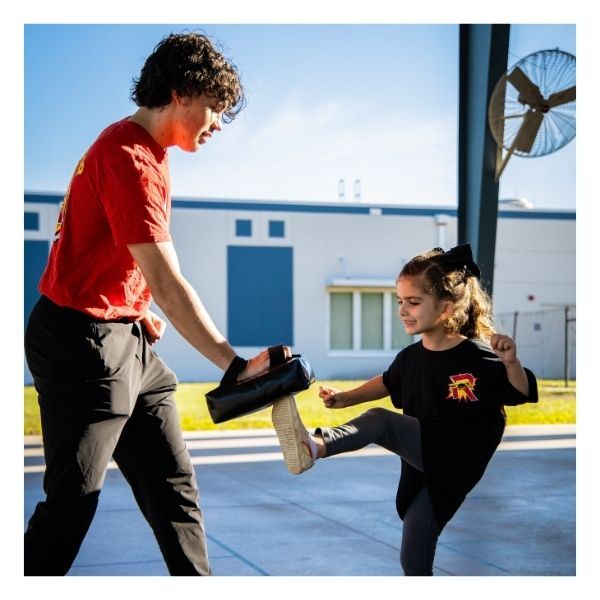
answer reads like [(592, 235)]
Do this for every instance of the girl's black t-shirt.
[(458, 396)]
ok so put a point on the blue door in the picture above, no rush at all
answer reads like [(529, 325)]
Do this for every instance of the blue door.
[(260, 309), (35, 259)]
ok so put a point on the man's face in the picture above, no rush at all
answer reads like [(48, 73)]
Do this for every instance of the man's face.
[(195, 118)]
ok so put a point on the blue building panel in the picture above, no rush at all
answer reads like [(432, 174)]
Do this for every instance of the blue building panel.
[(243, 228), (32, 221), (35, 259), (277, 229), (260, 308)]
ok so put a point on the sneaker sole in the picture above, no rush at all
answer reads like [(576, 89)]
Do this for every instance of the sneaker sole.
[(289, 428)]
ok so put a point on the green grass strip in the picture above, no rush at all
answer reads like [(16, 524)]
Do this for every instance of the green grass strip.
[(557, 405)]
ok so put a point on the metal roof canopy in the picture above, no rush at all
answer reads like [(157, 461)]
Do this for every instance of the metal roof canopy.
[(483, 58)]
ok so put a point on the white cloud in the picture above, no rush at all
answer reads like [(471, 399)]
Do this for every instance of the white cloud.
[(302, 150)]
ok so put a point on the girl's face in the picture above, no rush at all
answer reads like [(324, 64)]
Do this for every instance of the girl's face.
[(420, 312)]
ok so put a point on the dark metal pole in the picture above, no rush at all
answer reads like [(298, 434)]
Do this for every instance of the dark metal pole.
[(483, 57), (566, 346)]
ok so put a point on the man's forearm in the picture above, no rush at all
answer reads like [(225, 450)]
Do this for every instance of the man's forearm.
[(187, 314), (180, 303)]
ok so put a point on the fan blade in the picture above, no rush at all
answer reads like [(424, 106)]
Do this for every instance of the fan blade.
[(529, 92), (528, 131), (561, 97)]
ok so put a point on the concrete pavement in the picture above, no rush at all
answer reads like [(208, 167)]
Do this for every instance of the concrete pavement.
[(261, 520)]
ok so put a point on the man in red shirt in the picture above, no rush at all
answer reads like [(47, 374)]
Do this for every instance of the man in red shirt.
[(103, 391)]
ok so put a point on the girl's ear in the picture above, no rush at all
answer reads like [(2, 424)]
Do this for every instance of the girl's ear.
[(447, 309)]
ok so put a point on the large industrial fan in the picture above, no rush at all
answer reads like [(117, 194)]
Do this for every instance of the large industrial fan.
[(532, 108)]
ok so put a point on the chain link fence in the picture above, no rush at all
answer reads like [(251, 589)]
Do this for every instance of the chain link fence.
[(546, 340)]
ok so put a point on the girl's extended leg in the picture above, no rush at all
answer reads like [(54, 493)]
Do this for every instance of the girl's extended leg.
[(393, 431), (396, 432)]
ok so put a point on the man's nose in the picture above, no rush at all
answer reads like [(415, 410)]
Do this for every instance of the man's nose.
[(217, 123)]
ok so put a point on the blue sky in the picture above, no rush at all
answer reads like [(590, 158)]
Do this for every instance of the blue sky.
[(371, 102)]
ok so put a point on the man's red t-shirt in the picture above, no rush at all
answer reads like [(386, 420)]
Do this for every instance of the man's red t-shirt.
[(119, 195)]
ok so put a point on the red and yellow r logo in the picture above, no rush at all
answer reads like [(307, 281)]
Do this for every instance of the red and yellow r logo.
[(462, 388)]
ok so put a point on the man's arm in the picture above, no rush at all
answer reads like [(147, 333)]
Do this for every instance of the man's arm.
[(183, 307)]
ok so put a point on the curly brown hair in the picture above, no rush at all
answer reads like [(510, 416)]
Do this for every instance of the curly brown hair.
[(189, 64), (473, 312)]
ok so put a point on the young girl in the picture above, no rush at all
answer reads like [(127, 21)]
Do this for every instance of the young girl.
[(451, 387)]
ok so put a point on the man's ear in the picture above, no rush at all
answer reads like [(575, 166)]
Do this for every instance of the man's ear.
[(176, 98), (181, 99)]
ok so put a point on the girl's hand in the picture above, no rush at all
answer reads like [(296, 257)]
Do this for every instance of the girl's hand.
[(332, 397), (504, 347)]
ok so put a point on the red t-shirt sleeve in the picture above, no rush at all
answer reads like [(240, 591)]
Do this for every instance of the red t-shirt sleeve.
[(136, 197)]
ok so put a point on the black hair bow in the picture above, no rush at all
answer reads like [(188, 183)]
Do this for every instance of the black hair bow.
[(459, 257)]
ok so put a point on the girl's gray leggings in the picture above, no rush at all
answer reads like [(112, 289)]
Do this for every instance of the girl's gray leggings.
[(401, 435)]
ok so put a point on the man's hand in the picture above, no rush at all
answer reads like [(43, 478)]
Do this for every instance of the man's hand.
[(260, 363), (153, 326)]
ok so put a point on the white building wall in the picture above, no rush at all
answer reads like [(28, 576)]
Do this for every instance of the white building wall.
[(534, 257), (200, 239), (535, 278), (331, 246), (547, 345)]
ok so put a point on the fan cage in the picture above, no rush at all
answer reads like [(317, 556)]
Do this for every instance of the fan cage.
[(552, 71)]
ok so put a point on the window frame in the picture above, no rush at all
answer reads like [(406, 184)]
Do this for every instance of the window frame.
[(389, 301)]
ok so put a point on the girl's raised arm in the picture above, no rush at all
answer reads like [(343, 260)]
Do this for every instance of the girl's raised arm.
[(506, 349)]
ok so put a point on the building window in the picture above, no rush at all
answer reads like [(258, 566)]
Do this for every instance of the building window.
[(276, 229), (371, 321), (341, 321), (243, 228), (365, 320), (32, 221)]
